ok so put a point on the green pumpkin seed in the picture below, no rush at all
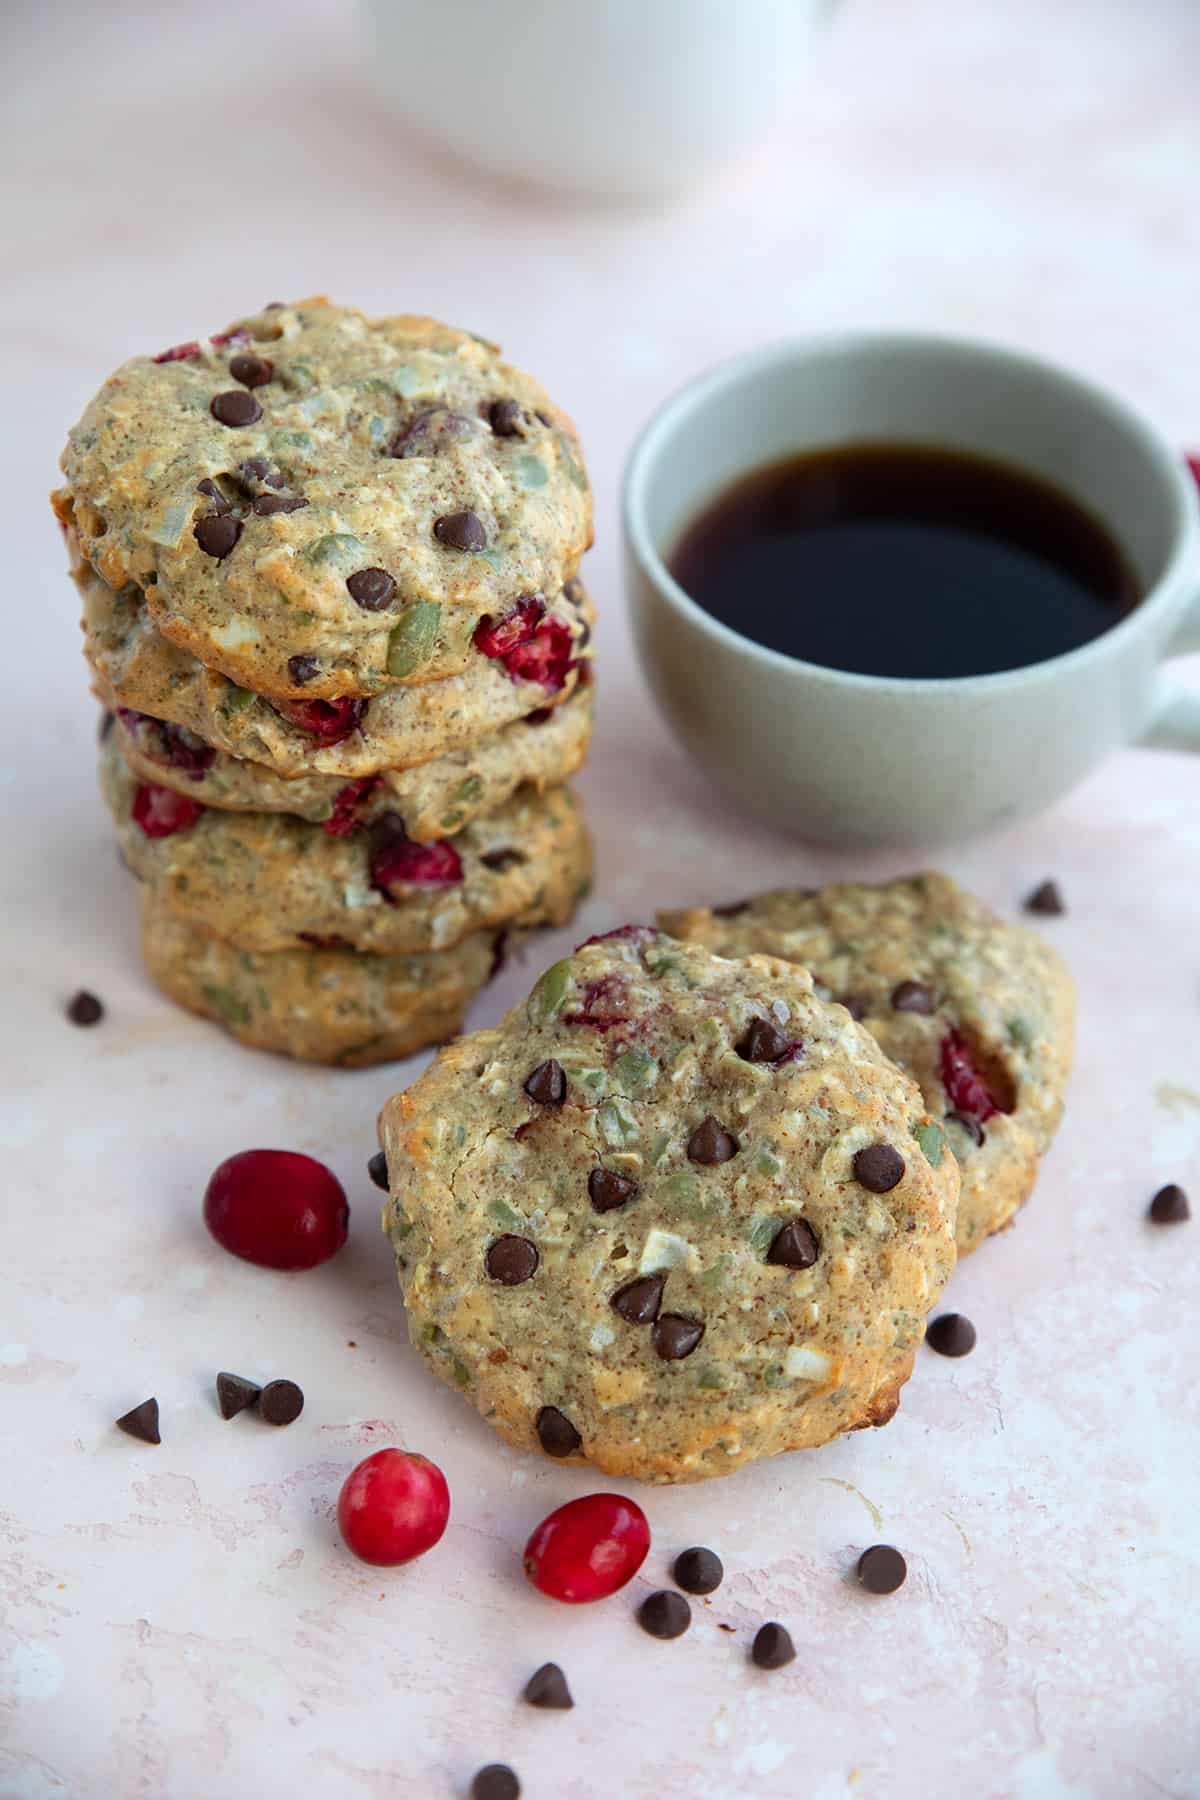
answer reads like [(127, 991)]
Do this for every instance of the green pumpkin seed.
[(549, 992), (413, 638), (932, 1140)]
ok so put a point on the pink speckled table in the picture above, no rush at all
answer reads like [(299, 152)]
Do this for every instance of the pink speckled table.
[(181, 1622)]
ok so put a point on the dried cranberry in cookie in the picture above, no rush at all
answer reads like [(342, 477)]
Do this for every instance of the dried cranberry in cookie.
[(979, 1011), (626, 1240)]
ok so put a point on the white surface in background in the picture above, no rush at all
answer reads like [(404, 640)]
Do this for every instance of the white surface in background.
[(180, 1622)]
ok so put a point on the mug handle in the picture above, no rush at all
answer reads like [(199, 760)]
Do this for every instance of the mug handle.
[(1175, 721)]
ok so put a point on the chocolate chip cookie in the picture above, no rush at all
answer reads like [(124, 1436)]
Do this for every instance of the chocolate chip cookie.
[(675, 1213), (979, 1011), (321, 505), (264, 881), (135, 666)]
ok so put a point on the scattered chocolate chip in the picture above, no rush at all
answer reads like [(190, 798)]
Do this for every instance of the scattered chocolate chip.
[(280, 1402), (794, 1245), (882, 1569), (506, 418), (460, 531), (639, 1300), (252, 371), (303, 668), (501, 859), (733, 910), (1046, 899), (266, 504), (212, 492), (855, 1005), (879, 1167), (85, 1009), (913, 997), (723, 1627), (547, 1084), (556, 1434), (1170, 1205), (257, 469), (235, 1394), (675, 1337), (711, 1143), (699, 1571), (664, 1615), (217, 533), (970, 1124), (547, 1687), (608, 1190), (237, 407), (372, 589), (496, 1782), (950, 1334), (141, 1422), (773, 1647), (511, 1260), (763, 1042), (377, 1169)]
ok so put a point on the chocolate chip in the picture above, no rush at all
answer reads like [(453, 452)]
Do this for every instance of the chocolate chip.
[(639, 1300), (773, 1647), (237, 407), (506, 418), (733, 910), (85, 1009), (502, 859), (235, 1394), (217, 533), (511, 1260), (608, 1190), (303, 668), (1170, 1205), (711, 1143), (266, 504), (556, 1434), (496, 1782), (547, 1084), (372, 589), (699, 1571), (675, 1337), (280, 1402), (1046, 899), (664, 1615), (951, 1334), (377, 1169), (460, 531), (970, 1124), (763, 1042), (795, 1245), (547, 1687), (913, 997), (212, 492), (259, 468), (855, 1005), (882, 1569), (879, 1167), (252, 371), (141, 1422)]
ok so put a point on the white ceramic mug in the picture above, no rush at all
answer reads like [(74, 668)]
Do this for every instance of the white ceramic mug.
[(870, 760)]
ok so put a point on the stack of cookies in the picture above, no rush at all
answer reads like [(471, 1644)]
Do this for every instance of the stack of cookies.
[(329, 577)]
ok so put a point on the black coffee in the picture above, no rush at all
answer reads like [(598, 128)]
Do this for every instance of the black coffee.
[(895, 559)]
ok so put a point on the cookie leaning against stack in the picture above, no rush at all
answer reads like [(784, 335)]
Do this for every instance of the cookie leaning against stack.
[(328, 567), (675, 1213)]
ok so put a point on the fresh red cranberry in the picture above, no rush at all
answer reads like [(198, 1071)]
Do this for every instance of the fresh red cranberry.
[(397, 861), (603, 1004), (393, 1507), (277, 1208), (634, 934), (178, 352), (329, 721), (498, 637), (239, 335), (965, 1087), (588, 1548), (161, 812), (347, 803), (546, 658), (1193, 463)]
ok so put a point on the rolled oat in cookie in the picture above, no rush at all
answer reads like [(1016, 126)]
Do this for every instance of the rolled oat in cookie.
[(320, 505), (979, 1011), (631, 1225)]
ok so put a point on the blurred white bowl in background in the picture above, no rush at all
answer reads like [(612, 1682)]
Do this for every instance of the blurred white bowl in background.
[(616, 99)]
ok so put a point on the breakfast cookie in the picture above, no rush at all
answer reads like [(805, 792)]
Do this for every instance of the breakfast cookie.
[(326, 1006), (675, 1213), (135, 666), (320, 505), (264, 881), (436, 798), (979, 1011)]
